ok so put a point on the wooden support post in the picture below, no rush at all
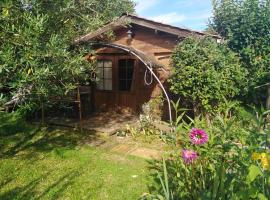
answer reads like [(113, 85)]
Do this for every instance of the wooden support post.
[(79, 106)]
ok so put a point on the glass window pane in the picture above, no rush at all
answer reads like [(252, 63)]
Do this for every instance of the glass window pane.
[(108, 73), (104, 74), (122, 69), (107, 84), (128, 84), (122, 63), (108, 63), (129, 73), (99, 72), (122, 72), (130, 63), (100, 84), (99, 63), (122, 85), (125, 73)]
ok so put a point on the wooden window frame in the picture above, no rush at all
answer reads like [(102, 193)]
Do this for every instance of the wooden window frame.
[(111, 60), (115, 79)]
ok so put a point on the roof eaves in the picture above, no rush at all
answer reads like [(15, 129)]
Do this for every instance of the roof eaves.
[(121, 21), (130, 18), (142, 55), (173, 27)]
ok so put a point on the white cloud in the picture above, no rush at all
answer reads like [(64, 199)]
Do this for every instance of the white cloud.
[(200, 16), (188, 3), (142, 5), (169, 18)]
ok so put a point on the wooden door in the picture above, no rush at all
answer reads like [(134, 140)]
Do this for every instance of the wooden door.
[(122, 93)]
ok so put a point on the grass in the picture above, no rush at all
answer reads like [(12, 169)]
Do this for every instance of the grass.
[(38, 163)]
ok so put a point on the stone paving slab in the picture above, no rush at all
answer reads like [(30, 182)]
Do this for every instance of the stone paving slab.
[(146, 153), (106, 124), (125, 147)]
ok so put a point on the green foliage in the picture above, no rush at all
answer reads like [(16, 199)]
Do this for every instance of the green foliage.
[(36, 58), (245, 25), (226, 167), (205, 73), (165, 184)]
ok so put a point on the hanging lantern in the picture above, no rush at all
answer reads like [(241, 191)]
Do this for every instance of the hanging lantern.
[(130, 34)]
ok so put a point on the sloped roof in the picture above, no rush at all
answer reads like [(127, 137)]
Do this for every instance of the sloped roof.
[(126, 19), (146, 58)]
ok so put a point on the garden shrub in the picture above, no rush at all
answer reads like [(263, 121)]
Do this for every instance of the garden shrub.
[(245, 26), (37, 59), (205, 74)]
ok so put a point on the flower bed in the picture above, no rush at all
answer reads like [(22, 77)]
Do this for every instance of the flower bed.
[(228, 160)]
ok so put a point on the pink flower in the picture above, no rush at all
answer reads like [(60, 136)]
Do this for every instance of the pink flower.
[(189, 156), (198, 136)]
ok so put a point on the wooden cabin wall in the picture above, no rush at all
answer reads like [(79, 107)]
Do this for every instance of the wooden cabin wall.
[(125, 101), (152, 43)]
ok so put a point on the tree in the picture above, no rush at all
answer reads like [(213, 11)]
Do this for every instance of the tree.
[(206, 74), (36, 60), (245, 24)]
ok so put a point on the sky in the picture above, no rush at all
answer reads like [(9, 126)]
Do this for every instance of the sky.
[(193, 14)]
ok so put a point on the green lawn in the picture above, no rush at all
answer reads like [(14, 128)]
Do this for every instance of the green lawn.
[(56, 164)]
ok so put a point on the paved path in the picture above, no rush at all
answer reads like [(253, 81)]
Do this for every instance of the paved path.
[(126, 146), (108, 123)]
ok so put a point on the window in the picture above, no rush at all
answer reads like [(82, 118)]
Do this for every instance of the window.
[(125, 74), (104, 74)]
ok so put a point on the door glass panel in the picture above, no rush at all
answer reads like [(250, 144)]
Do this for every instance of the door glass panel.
[(99, 71), (130, 63), (129, 73), (125, 74), (100, 84), (121, 72), (108, 84), (128, 84), (122, 85), (99, 63), (108, 64), (108, 73), (122, 63)]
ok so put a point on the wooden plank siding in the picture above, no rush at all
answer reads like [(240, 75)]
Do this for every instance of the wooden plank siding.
[(123, 101), (158, 45), (148, 41)]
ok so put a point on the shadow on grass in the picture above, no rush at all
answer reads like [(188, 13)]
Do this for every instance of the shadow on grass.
[(31, 190), (30, 143), (16, 136)]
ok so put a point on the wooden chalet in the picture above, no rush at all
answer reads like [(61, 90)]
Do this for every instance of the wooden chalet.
[(134, 64)]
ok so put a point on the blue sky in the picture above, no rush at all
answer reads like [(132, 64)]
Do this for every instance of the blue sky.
[(192, 14)]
